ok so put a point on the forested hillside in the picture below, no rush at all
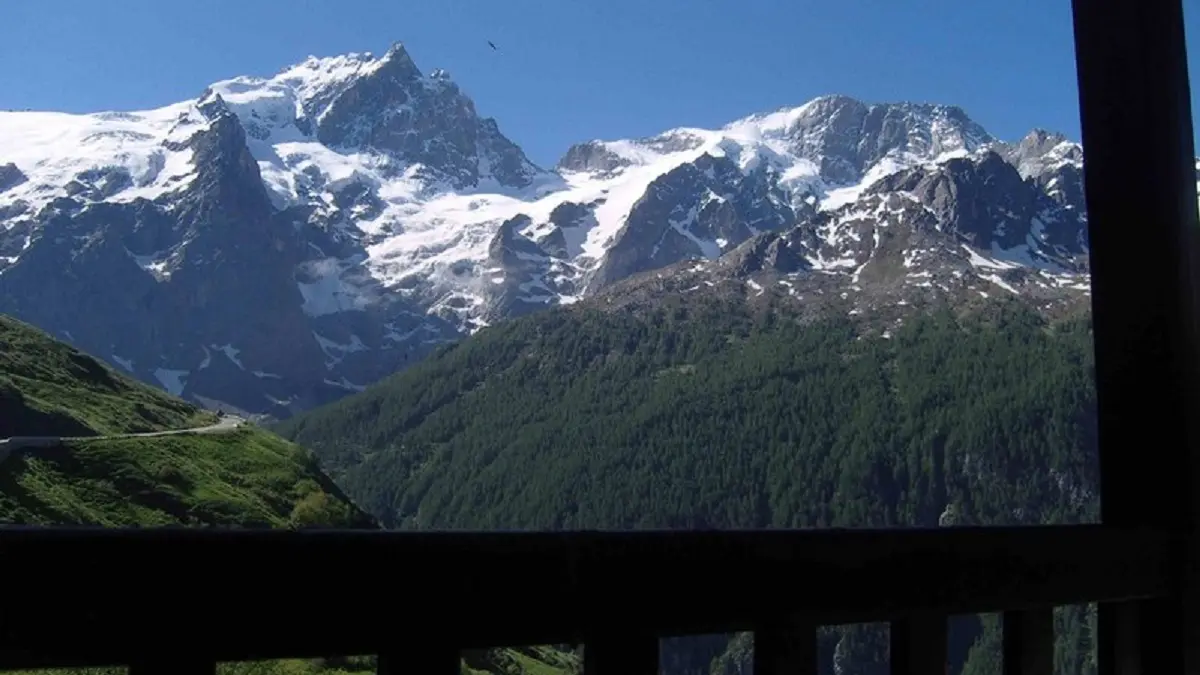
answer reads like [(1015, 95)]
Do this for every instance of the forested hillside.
[(704, 413), (48, 388)]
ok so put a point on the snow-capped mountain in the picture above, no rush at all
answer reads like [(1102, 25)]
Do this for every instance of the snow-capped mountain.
[(279, 241)]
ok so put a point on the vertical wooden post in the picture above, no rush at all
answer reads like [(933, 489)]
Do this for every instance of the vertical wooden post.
[(1121, 643), (918, 645), (1142, 636), (1140, 177), (621, 655), (1029, 642), (423, 659), (785, 647)]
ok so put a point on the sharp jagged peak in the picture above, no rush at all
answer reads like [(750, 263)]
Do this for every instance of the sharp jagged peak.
[(1040, 141), (211, 105), (1040, 135), (832, 105), (313, 86), (319, 78), (396, 50), (362, 101), (314, 62), (397, 62), (1041, 150), (395, 53), (839, 136)]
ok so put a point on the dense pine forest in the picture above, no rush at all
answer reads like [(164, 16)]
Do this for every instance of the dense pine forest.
[(710, 414)]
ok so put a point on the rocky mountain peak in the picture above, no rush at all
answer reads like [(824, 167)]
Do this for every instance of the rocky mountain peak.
[(846, 137), (391, 108), (591, 157), (10, 176), (1042, 154), (226, 171), (211, 106), (1041, 140), (397, 63)]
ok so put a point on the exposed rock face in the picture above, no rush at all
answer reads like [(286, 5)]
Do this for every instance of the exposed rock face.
[(10, 176), (426, 121), (848, 137), (697, 210), (768, 251), (525, 269), (592, 157), (956, 231)]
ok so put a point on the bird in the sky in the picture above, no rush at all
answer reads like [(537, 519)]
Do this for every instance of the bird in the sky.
[(493, 46)]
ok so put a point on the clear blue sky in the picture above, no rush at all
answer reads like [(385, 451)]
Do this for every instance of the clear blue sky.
[(570, 70)]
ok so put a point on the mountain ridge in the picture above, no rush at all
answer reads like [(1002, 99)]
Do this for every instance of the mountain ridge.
[(281, 241)]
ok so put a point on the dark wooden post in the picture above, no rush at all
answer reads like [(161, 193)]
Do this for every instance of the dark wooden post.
[(1029, 642), (785, 647), (918, 645), (423, 659), (1140, 176), (621, 655)]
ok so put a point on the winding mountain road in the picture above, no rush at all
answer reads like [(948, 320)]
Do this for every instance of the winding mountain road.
[(225, 425)]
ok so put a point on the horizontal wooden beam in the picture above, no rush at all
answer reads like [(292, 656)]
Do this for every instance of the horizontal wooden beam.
[(99, 597)]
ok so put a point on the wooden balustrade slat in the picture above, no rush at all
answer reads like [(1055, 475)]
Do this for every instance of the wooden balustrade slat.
[(621, 654), (918, 645), (424, 658), (1029, 641), (786, 647), (1142, 637)]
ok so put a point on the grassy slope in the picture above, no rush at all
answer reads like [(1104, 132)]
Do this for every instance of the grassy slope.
[(50, 388), (249, 478)]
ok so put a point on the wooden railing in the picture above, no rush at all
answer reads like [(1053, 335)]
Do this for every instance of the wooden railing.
[(180, 601), (168, 600)]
